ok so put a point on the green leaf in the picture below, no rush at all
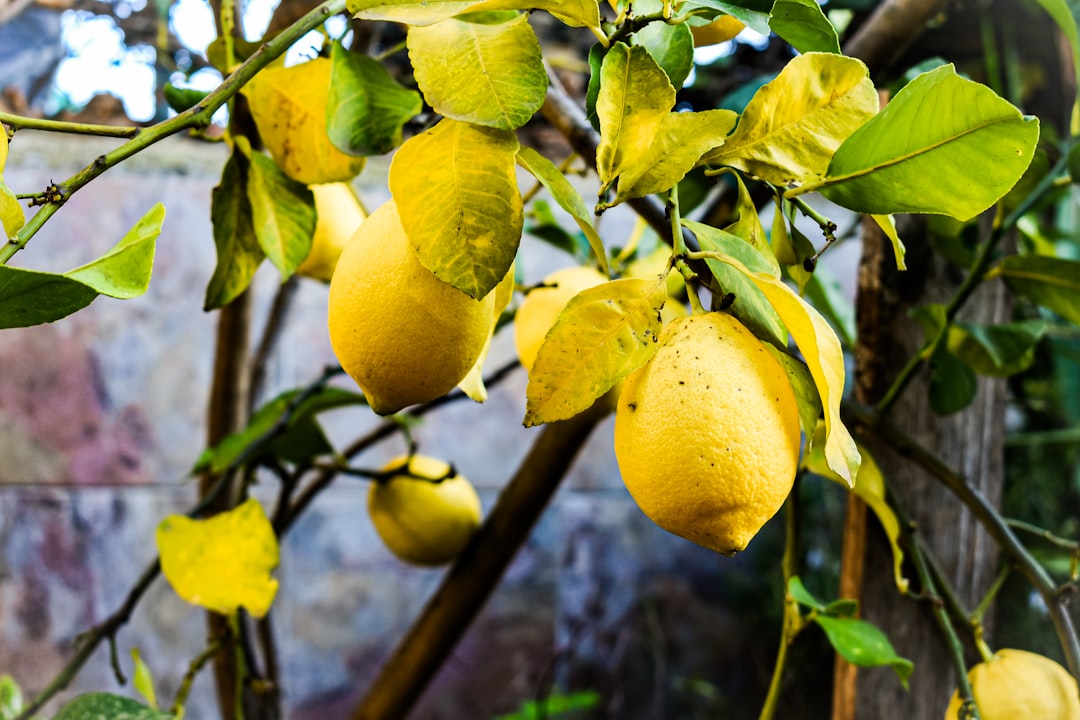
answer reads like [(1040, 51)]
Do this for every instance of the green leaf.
[(554, 706), (456, 191), (943, 145), (793, 125), (124, 271), (282, 212), (221, 563), (953, 384), (1051, 282), (752, 13), (238, 251), (99, 705), (747, 225), (596, 61), (672, 46), (888, 226), (996, 350), (634, 99), (569, 199), (862, 644), (11, 700), (29, 297), (602, 335), (1065, 13), (824, 292), (842, 608), (802, 383), (366, 107), (12, 217), (143, 679), (804, 26), (804, 597), (489, 75), (181, 99)]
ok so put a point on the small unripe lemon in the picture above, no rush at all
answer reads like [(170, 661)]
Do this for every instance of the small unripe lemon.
[(401, 333), (1020, 685), (425, 512), (339, 214), (707, 433), (542, 305)]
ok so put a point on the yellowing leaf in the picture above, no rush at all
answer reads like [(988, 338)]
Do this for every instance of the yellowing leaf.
[(793, 125), (3, 151), (289, 106), (870, 486), (143, 679), (681, 140), (748, 225), (456, 191), (489, 75), (888, 226), (473, 382), (576, 13), (635, 97), (821, 350), (602, 335), (223, 562), (12, 217)]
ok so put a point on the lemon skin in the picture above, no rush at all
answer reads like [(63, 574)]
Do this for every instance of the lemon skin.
[(339, 214), (1020, 685), (424, 521), (542, 305), (707, 433)]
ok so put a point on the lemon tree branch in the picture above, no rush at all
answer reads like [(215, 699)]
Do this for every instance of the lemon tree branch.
[(17, 122)]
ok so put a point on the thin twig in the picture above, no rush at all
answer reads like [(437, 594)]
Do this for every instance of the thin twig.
[(27, 123)]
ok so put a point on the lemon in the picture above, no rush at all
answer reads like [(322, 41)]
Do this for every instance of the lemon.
[(289, 107), (424, 521), (401, 333), (654, 264), (707, 433), (1020, 685), (542, 305), (339, 214)]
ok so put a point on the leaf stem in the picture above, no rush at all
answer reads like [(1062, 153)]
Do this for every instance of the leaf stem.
[(18, 122), (196, 665), (195, 117), (1044, 534)]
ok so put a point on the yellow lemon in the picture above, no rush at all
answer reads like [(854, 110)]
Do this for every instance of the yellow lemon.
[(289, 107), (401, 333), (722, 29), (1020, 685), (339, 214), (655, 263), (425, 512), (707, 433), (542, 305)]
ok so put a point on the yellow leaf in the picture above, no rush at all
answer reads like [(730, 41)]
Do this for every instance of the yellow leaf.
[(870, 486), (602, 335), (490, 75), (576, 13), (824, 356), (456, 191), (3, 151), (748, 225), (793, 125), (473, 383), (635, 97), (223, 562), (289, 107), (143, 679), (888, 226), (12, 217)]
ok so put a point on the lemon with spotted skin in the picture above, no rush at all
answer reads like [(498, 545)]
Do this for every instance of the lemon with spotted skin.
[(1020, 685), (707, 433), (423, 510)]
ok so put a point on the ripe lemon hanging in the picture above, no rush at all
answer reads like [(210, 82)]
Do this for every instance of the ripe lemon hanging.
[(425, 512), (401, 333), (542, 305), (339, 214), (1020, 685), (707, 433)]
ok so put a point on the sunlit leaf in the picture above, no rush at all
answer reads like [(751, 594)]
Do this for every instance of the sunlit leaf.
[(3, 151), (289, 105), (485, 74), (142, 679), (602, 335), (576, 13), (943, 145), (567, 196), (752, 13), (224, 562), (794, 124), (1051, 282), (366, 107), (804, 597), (473, 382), (238, 251), (12, 216), (803, 24), (634, 99), (888, 226), (456, 191), (100, 705), (862, 644), (124, 271), (11, 699), (672, 46)]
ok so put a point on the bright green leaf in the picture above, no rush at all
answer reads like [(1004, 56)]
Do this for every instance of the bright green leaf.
[(634, 99), (567, 196), (456, 191), (124, 271), (282, 213), (224, 562), (1051, 282), (793, 125), (238, 251), (12, 216), (804, 26), (11, 699), (680, 141), (99, 705), (489, 75), (888, 226), (996, 350), (143, 679), (1067, 16), (804, 597), (862, 644), (29, 297), (601, 336), (181, 99), (943, 145), (596, 62), (554, 706), (366, 107), (672, 46)]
